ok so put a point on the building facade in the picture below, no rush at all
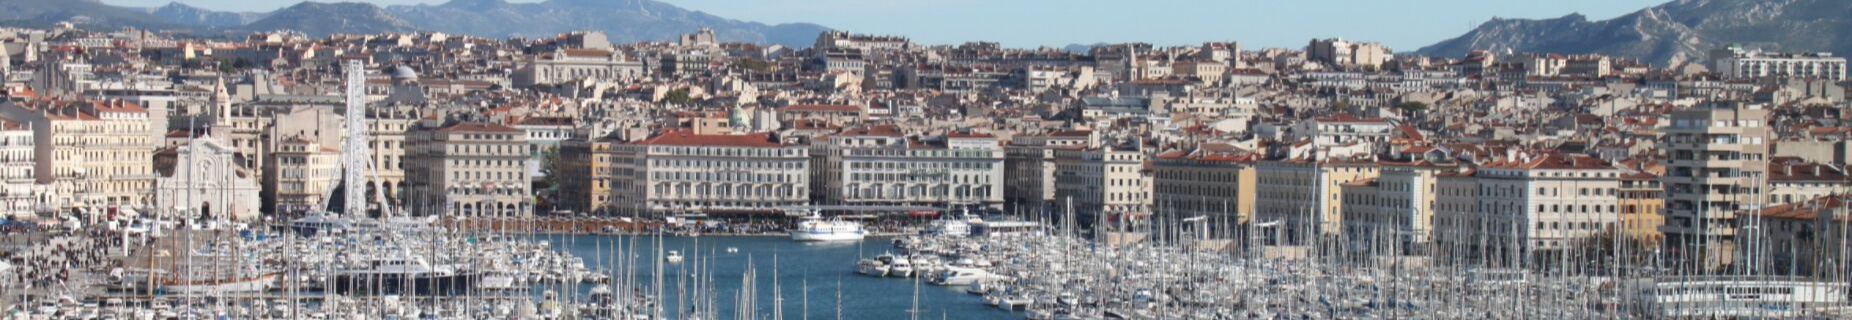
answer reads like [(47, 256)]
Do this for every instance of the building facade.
[(1302, 198), (585, 178), (563, 65), (1109, 180), (301, 174), (1717, 158), (1029, 170), (16, 163), (1738, 62), (1205, 182), (208, 184), (880, 166), (467, 169), (683, 172)]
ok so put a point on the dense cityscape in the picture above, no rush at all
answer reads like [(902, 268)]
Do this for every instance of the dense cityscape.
[(428, 175)]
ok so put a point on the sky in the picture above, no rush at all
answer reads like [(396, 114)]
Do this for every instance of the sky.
[(1403, 25)]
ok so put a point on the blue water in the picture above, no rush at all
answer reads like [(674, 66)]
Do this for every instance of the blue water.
[(822, 264)]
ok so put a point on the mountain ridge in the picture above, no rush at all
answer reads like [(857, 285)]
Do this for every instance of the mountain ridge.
[(623, 21), (1670, 33)]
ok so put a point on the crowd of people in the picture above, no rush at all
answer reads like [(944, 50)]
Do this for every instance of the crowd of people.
[(55, 260)]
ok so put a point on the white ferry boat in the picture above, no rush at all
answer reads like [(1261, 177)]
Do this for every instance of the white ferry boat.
[(1736, 296), (814, 228)]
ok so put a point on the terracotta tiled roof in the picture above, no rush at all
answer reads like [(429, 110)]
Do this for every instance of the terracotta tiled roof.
[(1553, 161)]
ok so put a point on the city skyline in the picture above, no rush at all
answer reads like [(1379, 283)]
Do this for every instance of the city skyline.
[(1378, 21)]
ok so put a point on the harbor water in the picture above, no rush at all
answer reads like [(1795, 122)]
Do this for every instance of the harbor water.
[(823, 265)]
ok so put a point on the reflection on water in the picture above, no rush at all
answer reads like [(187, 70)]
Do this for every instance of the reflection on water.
[(821, 265)]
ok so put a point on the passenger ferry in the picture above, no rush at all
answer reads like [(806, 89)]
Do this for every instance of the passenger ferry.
[(1735, 297), (813, 227)]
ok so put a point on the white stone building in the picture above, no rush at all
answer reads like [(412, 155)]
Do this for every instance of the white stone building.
[(467, 169), (1738, 62), (564, 65), (207, 183), (880, 166), (1109, 180), (1511, 208), (711, 173)]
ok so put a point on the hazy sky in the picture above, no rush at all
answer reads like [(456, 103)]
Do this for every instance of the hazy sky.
[(1402, 24)]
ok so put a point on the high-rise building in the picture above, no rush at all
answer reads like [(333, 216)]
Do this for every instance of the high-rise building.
[(1716, 164)]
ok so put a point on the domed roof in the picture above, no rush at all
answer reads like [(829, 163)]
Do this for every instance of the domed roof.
[(403, 73)]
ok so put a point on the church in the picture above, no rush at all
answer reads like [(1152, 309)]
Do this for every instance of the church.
[(204, 180)]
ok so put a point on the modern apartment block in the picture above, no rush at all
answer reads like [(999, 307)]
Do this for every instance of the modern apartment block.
[(1716, 164)]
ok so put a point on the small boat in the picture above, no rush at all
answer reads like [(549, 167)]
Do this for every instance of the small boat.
[(959, 276), (733, 250), (871, 267), (673, 257)]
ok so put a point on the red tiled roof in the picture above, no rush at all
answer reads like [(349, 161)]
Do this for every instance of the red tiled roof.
[(1554, 161)]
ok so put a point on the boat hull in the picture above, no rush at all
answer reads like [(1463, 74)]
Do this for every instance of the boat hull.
[(247, 285), (812, 236), (402, 284)]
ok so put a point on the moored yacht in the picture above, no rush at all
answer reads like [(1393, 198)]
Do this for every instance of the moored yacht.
[(814, 228), (404, 276)]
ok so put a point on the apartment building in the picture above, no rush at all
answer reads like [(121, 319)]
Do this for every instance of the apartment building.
[(467, 169), (1510, 208), (301, 173), (683, 171), (881, 166), (1111, 179), (1212, 180), (1029, 169), (1717, 165)]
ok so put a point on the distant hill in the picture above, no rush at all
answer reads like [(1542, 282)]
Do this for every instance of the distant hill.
[(622, 20), (1670, 33), (321, 19), (189, 15), (84, 13)]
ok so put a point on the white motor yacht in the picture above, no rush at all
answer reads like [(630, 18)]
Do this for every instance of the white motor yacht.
[(814, 228), (902, 268)]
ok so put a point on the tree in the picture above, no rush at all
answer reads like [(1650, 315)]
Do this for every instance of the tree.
[(678, 97), (1412, 106), (755, 64)]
